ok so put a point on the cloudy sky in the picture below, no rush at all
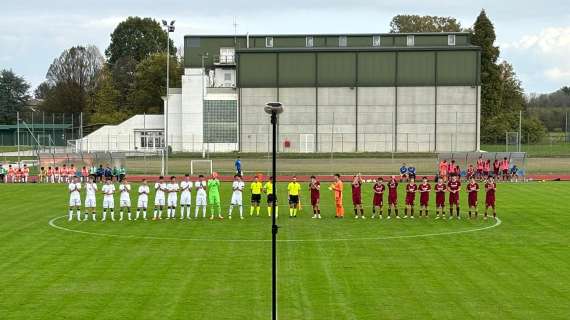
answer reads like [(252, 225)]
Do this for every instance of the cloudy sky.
[(533, 35)]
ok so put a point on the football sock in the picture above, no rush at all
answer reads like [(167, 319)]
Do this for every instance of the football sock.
[(86, 215), (182, 212), (389, 212), (257, 210), (269, 211), (295, 212), (355, 212), (203, 211), (412, 210), (138, 214), (93, 216), (104, 214), (457, 211), (155, 214), (276, 211), (70, 214), (230, 210), (251, 211), (160, 214), (451, 211), (396, 211), (196, 210), (129, 213), (144, 214), (241, 211), (362, 212), (113, 215), (121, 215), (78, 213), (290, 212)]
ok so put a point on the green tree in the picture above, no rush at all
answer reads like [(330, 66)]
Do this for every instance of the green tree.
[(484, 37), (150, 83), (137, 38), (104, 107), (70, 79), (416, 23), (13, 95)]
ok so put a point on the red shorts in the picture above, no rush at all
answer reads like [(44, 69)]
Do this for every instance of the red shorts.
[(424, 199), (393, 199), (356, 199), (490, 201), (314, 200), (454, 198), (410, 199), (377, 200), (440, 199), (505, 172), (472, 199)]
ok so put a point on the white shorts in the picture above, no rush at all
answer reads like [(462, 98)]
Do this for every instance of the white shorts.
[(108, 203), (185, 199), (142, 203), (172, 200), (125, 203), (237, 199), (74, 201), (90, 202), (159, 201), (201, 200)]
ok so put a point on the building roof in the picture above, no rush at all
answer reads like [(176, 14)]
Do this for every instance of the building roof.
[(326, 34), (351, 49), (35, 126)]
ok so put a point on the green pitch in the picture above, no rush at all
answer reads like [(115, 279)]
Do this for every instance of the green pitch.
[(329, 269)]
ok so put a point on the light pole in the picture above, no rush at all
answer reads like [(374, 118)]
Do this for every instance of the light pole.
[(274, 109), (169, 28)]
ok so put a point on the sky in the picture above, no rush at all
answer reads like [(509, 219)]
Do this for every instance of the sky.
[(534, 36)]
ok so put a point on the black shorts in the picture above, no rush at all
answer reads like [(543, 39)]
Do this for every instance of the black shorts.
[(256, 198), (293, 199), (271, 198)]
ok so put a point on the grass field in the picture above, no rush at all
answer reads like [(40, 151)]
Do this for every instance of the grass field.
[(388, 269)]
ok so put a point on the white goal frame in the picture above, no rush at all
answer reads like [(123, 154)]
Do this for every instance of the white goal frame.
[(201, 161)]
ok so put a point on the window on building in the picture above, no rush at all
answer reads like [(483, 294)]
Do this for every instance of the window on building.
[(342, 41), (410, 41), (309, 42), (220, 121), (451, 40), (227, 76), (150, 139), (269, 42), (375, 41)]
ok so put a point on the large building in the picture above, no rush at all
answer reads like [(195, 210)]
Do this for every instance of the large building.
[(415, 92)]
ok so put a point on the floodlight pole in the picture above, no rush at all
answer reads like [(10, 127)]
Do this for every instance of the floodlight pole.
[(169, 29), (274, 108)]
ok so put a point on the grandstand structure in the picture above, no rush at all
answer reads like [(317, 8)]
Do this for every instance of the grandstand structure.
[(406, 92)]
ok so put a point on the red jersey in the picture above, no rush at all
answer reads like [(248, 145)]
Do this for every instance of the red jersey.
[(411, 188), (453, 185), (315, 193), (440, 194), (480, 164), (63, 171), (424, 193), (487, 166), (473, 187), (453, 196), (356, 193), (10, 171), (84, 172), (378, 188), (392, 188), (490, 187), (56, 171), (71, 171), (26, 171)]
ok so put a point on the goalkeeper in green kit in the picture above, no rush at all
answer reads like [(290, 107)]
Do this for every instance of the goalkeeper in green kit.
[(214, 196)]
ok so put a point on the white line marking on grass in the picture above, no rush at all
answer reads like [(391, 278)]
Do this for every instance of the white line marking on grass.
[(425, 235)]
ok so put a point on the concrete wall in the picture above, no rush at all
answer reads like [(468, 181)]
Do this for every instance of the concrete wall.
[(365, 119)]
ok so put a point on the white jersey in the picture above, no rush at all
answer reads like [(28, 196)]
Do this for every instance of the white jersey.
[(125, 198), (172, 194), (90, 198), (108, 200), (237, 187), (201, 197), (74, 195), (159, 187), (185, 195), (143, 196)]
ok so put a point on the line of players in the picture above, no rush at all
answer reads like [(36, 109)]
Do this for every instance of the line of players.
[(166, 196)]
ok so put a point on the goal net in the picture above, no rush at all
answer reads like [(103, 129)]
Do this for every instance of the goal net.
[(201, 166), (512, 141)]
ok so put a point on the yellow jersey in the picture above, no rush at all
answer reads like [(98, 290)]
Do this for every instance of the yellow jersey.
[(294, 188), (256, 187), (268, 187)]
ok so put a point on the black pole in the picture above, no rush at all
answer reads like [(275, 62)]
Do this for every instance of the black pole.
[(274, 227)]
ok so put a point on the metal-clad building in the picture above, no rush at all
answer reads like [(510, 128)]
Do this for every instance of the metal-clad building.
[(416, 92)]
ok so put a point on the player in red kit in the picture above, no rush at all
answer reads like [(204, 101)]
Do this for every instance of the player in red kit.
[(440, 189), (377, 200), (480, 166), (393, 197), (454, 186), (424, 189), (357, 196), (490, 188), (472, 189), (505, 169), (487, 168), (411, 189), (315, 187)]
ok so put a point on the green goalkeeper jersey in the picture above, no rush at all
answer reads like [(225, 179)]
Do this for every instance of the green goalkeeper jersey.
[(214, 191)]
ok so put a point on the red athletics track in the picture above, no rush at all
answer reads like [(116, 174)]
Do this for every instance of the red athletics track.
[(325, 178)]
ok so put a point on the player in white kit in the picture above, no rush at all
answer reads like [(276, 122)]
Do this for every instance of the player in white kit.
[(125, 199), (90, 199), (185, 196), (142, 203), (201, 196), (159, 198), (74, 188), (237, 196), (108, 190), (172, 197)]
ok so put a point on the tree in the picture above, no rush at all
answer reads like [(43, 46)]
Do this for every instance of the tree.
[(150, 83), (512, 94), (13, 95), (123, 75), (104, 107), (484, 37), (42, 90), (71, 77), (416, 23), (137, 38)]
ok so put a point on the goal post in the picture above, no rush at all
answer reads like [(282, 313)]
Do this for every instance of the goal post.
[(512, 142), (201, 166)]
